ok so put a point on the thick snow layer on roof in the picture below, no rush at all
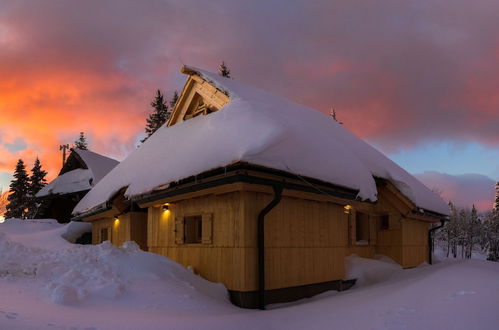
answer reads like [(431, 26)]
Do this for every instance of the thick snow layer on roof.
[(69, 182), (98, 164), (263, 129), (80, 179)]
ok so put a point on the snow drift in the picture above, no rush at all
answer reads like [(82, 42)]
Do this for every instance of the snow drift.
[(72, 273)]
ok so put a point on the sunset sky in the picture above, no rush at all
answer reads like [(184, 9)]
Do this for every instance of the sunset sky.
[(419, 80)]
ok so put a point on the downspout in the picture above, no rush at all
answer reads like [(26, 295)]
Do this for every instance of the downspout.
[(430, 239), (261, 244)]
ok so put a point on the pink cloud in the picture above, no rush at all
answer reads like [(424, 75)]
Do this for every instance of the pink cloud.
[(463, 190)]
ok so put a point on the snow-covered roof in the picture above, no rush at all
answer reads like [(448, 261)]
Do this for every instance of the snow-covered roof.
[(92, 167), (99, 165), (262, 129)]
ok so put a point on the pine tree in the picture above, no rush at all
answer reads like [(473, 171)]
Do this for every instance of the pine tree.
[(173, 100), (81, 143), (223, 70), (36, 182), (18, 193), (492, 229), (158, 117)]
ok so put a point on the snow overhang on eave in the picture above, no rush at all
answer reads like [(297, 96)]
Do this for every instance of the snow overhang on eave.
[(100, 208), (246, 173)]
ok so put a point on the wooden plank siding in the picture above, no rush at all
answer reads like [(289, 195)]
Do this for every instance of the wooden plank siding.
[(415, 242), (305, 239), (129, 227), (307, 235)]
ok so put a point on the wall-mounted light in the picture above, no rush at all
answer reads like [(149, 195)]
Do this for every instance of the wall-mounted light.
[(347, 208), (116, 221), (165, 207)]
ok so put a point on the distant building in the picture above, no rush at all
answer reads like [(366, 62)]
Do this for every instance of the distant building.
[(81, 171), (261, 194)]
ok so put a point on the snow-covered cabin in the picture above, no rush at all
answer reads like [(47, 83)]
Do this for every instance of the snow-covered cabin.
[(261, 194), (81, 171)]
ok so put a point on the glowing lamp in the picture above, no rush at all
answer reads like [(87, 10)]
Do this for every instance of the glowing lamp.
[(347, 208), (165, 207)]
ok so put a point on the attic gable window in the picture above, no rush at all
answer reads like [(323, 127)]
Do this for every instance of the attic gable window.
[(198, 107)]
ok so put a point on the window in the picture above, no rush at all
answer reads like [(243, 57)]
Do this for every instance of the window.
[(362, 228), (104, 234), (384, 222), (193, 229)]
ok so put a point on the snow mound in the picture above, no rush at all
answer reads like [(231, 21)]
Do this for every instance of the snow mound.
[(370, 271), (45, 234), (73, 230), (71, 273)]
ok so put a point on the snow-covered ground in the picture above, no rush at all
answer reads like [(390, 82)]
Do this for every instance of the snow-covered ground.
[(49, 283)]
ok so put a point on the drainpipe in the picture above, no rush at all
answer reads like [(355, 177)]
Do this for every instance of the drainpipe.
[(430, 239), (261, 244)]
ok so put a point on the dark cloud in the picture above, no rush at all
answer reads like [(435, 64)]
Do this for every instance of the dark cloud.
[(463, 190), (398, 73)]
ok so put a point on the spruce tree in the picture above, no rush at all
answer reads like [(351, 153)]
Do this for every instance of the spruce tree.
[(18, 198), (173, 100), (223, 70), (158, 117), (81, 143), (36, 182)]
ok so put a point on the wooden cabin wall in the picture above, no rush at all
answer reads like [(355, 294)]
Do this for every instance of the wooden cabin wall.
[(305, 240), (129, 227), (138, 228), (222, 260), (415, 242), (390, 240), (99, 224)]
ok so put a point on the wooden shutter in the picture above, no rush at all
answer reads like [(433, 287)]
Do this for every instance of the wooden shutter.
[(373, 229), (179, 230), (207, 229), (352, 223)]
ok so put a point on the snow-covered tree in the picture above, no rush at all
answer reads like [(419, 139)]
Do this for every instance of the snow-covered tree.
[(496, 202), (81, 143), (36, 182), (223, 70), (158, 117), (18, 189)]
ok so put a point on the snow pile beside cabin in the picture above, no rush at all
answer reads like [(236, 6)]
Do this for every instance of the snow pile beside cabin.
[(262, 129), (106, 287), (370, 271), (80, 179), (35, 250)]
